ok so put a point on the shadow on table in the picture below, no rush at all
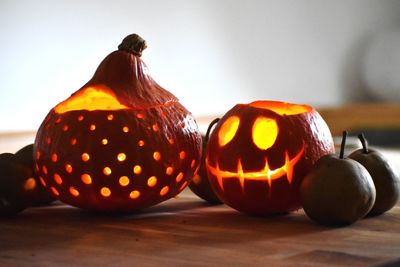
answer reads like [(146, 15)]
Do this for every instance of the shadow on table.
[(186, 218), (176, 229)]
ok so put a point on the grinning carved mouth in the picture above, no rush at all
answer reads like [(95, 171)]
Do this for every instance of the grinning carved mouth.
[(265, 174)]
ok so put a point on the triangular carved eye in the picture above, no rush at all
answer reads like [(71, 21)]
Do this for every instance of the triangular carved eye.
[(228, 130), (264, 132)]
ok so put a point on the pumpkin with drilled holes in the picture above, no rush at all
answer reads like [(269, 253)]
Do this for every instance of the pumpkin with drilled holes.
[(258, 154), (120, 143)]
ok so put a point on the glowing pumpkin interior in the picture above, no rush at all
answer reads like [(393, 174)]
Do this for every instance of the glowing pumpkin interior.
[(282, 108), (91, 98)]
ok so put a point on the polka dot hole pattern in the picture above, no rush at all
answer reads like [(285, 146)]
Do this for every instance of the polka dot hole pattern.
[(123, 180)]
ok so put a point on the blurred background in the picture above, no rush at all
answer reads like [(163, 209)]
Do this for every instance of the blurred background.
[(210, 54)]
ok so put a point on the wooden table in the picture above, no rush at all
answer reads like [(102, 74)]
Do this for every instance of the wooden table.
[(185, 231)]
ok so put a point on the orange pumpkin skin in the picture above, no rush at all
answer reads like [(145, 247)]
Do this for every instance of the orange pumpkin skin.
[(140, 150), (259, 153)]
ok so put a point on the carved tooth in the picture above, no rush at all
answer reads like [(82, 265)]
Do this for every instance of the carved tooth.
[(219, 177), (264, 174), (267, 171), (289, 168), (240, 174)]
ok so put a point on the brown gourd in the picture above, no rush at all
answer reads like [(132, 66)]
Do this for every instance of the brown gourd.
[(385, 177), (38, 195), (13, 185), (338, 190)]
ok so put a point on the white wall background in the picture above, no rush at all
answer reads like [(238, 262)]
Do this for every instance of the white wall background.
[(210, 54)]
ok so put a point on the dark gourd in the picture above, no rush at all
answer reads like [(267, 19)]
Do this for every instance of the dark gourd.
[(338, 190), (38, 195), (13, 177), (385, 177)]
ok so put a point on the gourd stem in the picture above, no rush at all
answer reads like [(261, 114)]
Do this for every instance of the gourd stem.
[(210, 126), (134, 44), (363, 142), (344, 136)]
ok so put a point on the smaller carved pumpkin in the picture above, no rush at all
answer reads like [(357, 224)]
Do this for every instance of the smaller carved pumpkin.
[(259, 153)]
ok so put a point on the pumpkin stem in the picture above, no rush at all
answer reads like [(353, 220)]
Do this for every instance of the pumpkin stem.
[(341, 155), (363, 142), (134, 44), (215, 121)]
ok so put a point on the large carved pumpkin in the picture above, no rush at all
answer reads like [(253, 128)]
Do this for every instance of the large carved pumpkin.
[(259, 153), (121, 142)]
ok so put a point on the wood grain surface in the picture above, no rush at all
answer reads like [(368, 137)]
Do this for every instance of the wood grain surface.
[(185, 231)]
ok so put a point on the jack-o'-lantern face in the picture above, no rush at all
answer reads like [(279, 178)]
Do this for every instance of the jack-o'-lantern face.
[(264, 133), (258, 154)]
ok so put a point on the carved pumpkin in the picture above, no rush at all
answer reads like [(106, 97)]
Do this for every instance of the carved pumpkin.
[(258, 154), (121, 142)]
